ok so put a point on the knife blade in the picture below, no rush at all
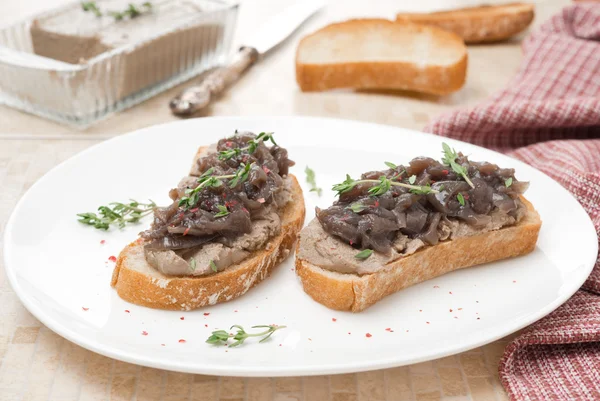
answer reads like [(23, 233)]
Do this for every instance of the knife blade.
[(273, 33)]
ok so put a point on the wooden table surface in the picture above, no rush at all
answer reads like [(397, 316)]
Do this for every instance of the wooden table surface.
[(36, 364)]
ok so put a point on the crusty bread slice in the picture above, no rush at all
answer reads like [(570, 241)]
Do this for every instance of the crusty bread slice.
[(381, 54), (351, 292), (139, 283), (478, 24)]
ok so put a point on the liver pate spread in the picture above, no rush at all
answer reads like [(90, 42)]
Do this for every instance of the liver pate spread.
[(75, 36), (232, 209), (398, 211)]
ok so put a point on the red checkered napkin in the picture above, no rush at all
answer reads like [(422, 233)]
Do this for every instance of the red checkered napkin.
[(548, 116)]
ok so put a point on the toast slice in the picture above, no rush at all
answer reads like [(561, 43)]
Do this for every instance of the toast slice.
[(138, 282), (478, 24), (381, 54), (351, 292)]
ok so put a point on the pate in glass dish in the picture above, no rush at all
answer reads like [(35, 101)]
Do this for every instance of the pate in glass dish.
[(84, 61)]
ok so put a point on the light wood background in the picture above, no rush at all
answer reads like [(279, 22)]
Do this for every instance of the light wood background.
[(36, 364)]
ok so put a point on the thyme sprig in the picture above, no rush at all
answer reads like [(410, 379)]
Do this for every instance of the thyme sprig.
[(92, 7), (449, 159), (132, 11), (209, 180), (251, 148), (312, 181), (221, 337), (118, 214), (383, 185)]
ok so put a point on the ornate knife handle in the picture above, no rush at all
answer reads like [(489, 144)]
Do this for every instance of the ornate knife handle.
[(198, 97)]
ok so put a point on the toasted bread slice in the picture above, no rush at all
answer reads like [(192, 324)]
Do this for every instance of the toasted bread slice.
[(139, 283), (381, 54), (351, 292), (478, 24)]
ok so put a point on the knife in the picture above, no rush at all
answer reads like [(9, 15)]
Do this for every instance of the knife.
[(275, 31)]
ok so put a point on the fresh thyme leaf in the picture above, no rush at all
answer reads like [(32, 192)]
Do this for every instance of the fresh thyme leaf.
[(345, 186), (266, 136), (412, 179), (391, 165), (207, 180), (357, 207), (213, 266), (449, 159), (241, 175), (119, 214), (384, 185), (461, 199), (508, 182), (223, 211), (221, 337), (311, 180), (92, 7), (193, 264), (364, 254), (423, 190), (132, 11), (228, 154), (262, 137)]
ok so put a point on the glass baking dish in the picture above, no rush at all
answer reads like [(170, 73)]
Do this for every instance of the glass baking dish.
[(195, 35)]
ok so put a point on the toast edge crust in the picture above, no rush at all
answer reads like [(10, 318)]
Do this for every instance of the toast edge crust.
[(351, 292), (478, 24), (187, 293), (436, 80)]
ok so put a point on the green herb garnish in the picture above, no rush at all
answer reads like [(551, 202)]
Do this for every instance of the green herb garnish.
[(412, 179), (449, 159), (461, 199), (91, 7), (240, 175), (391, 165), (251, 148), (311, 180), (193, 264), (118, 214), (383, 185), (221, 337), (424, 190), (223, 211), (228, 154), (212, 265), (207, 180), (508, 182), (364, 254), (357, 207), (132, 11)]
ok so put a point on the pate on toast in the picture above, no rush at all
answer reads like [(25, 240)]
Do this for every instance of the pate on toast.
[(232, 220), (395, 228)]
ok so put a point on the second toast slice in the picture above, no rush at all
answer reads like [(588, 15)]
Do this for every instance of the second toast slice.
[(381, 54)]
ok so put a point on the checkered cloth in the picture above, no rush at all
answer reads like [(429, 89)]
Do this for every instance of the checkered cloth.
[(548, 116)]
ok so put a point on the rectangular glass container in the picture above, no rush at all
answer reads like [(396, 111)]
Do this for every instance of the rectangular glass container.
[(193, 36)]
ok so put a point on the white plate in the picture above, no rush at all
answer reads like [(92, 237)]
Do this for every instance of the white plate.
[(58, 266)]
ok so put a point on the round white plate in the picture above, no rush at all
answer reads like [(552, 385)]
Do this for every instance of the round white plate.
[(61, 270)]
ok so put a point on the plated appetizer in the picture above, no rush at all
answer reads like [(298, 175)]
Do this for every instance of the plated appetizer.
[(232, 220), (398, 227)]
